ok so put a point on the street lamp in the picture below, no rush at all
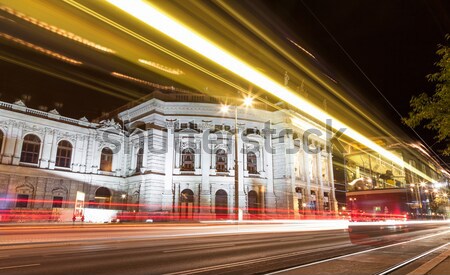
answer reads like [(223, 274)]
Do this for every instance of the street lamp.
[(123, 196), (225, 109)]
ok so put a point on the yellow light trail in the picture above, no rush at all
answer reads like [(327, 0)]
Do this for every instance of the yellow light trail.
[(161, 67), (151, 15), (56, 30), (41, 49), (148, 83)]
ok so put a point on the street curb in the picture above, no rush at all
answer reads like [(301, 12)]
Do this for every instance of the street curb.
[(428, 266)]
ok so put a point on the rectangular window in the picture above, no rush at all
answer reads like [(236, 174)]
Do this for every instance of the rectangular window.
[(22, 200), (57, 202), (63, 157)]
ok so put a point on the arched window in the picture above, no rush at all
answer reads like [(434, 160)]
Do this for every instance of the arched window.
[(30, 149), (187, 159), (252, 166), (253, 205), (106, 160), (64, 154), (221, 160), (221, 204), (102, 198), (139, 159), (186, 204)]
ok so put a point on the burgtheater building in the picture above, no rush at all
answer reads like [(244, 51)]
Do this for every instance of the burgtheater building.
[(171, 153)]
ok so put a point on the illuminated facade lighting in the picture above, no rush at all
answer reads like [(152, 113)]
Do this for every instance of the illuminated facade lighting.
[(248, 101), (40, 49), (161, 67), (56, 30)]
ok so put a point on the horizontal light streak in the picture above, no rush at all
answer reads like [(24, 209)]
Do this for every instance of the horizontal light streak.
[(56, 30), (40, 49), (161, 67)]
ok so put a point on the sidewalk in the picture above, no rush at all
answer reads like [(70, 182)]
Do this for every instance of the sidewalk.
[(438, 265)]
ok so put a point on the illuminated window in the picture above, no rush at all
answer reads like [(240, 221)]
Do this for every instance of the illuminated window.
[(106, 160), (30, 149), (252, 166), (64, 154), (187, 160), (22, 200), (221, 160), (57, 202)]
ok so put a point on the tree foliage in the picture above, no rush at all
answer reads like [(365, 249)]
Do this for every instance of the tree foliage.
[(433, 112), (439, 203)]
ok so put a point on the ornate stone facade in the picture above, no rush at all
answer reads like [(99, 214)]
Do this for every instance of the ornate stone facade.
[(163, 156)]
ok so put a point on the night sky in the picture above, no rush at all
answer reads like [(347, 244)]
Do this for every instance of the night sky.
[(393, 42)]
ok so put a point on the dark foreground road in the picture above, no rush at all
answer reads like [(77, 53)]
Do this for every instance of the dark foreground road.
[(211, 249)]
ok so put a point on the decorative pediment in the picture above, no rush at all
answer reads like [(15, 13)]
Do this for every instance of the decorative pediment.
[(188, 131), (54, 112), (223, 133), (60, 190), (221, 146), (206, 125), (110, 123), (20, 103), (25, 188)]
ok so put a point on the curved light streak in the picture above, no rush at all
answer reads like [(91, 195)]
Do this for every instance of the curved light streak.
[(151, 15), (56, 30)]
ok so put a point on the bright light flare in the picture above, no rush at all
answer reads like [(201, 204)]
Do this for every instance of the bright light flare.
[(248, 101), (151, 15), (224, 109)]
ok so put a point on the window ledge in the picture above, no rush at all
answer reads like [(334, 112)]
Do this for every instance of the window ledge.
[(29, 164)]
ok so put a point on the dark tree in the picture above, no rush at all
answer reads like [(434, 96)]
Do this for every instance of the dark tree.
[(433, 112)]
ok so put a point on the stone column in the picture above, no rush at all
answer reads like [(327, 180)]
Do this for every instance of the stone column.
[(176, 204), (11, 137), (306, 171), (46, 149), (319, 177), (83, 160), (290, 166), (54, 150), (240, 161), (76, 153), (146, 151), (91, 151), (268, 162), (18, 144), (167, 199), (332, 195), (205, 195), (197, 159)]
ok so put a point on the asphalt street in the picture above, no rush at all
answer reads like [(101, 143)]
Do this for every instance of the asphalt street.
[(204, 249)]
